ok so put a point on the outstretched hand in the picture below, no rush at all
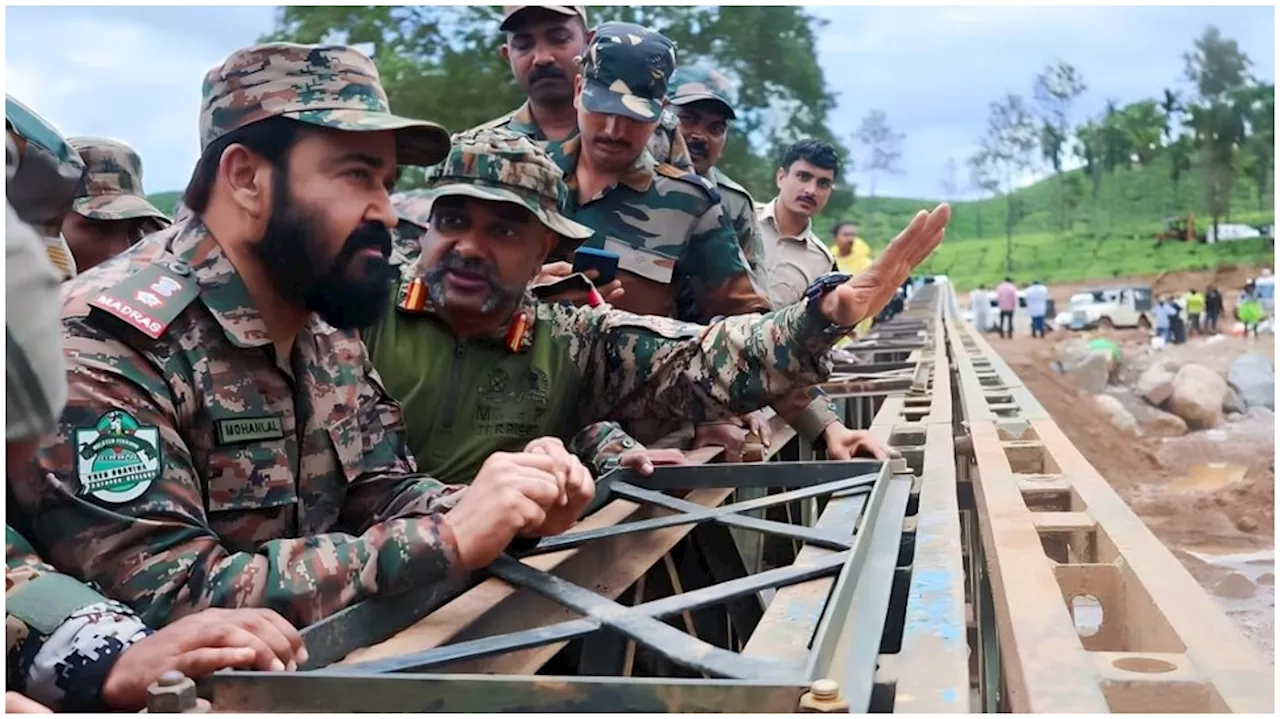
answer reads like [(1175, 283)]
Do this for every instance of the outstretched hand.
[(868, 292)]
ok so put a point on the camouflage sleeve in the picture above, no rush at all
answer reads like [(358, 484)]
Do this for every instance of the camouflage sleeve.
[(63, 637), (809, 411), (601, 445), (747, 227), (715, 278), (156, 551), (643, 367)]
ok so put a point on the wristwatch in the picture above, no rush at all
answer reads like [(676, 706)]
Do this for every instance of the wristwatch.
[(817, 291)]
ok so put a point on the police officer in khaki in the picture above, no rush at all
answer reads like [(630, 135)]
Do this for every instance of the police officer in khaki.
[(113, 211)]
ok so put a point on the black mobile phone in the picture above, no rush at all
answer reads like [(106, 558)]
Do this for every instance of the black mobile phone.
[(576, 282), (602, 261)]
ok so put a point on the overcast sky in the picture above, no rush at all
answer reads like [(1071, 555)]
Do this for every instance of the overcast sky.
[(134, 72)]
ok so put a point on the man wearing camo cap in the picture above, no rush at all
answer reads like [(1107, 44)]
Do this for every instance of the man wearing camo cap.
[(226, 441), (481, 367), (46, 174), (113, 212)]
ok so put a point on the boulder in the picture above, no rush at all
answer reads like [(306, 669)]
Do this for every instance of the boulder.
[(1152, 421), (1252, 377), (1088, 368), (1156, 384), (1117, 413), (1198, 394)]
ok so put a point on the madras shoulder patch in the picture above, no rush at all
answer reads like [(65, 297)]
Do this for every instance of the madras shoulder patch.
[(239, 430), (149, 300), (117, 459)]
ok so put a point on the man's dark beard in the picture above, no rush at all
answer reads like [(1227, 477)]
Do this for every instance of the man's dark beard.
[(343, 295), (499, 296)]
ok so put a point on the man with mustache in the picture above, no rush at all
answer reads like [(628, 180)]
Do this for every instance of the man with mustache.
[(480, 367), (794, 256), (113, 212), (226, 441), (542, 44), (67, 646)]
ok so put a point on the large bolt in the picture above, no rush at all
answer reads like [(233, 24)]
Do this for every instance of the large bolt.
[(174, 693), (823, 697)]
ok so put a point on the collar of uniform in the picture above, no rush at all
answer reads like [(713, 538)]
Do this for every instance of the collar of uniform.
[(221, 289), (638, 177), (770, 215), (522, 121), (414, 271)]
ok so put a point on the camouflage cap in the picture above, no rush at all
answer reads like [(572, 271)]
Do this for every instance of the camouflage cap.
[(691, 84), (332, 86), (511, 11), (502, 166), (49, 173), (625, 70), (114, 190)]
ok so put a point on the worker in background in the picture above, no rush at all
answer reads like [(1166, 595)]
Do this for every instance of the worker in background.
[(1163, 312), (480, 367), (113, 212), (67, 646), (47, 174), (1037, 299), (1006, 303), (1195, 303), (226, 441), (852, 255), (1212, 309), (1249, 309), (980, 308)]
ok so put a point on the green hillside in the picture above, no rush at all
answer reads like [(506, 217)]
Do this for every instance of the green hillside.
[(1109, 237), (165, 201)]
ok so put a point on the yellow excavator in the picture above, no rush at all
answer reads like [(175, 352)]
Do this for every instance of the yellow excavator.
[(1180, 229)]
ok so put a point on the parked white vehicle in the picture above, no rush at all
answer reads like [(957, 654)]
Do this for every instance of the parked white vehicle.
[(1021, 320), (1107, 307), (1266, 288)]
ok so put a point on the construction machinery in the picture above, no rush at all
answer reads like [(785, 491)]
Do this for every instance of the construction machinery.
[(987, 568), (1180, 229)]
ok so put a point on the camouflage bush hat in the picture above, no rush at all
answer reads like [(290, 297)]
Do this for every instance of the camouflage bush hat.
[(509, 12), (114, 190), (691, 84), (499, 165), (325, 85), (49, 172), (625, 71)]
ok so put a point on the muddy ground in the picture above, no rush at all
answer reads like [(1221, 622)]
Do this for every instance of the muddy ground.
[(1208, 495)]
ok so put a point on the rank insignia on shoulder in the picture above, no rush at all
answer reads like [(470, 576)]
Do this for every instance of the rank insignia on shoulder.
[(117, 459), (149, 300), (413, 296)]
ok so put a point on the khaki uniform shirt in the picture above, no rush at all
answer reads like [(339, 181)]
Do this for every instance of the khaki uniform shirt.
[(792, 264)]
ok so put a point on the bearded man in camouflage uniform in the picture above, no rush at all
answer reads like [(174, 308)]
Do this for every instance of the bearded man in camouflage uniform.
[(113, 211), (226, 441), (67, 646)]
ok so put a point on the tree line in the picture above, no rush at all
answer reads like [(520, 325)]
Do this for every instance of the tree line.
[(1224, 126)]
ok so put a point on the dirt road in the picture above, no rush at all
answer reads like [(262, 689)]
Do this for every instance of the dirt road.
[(1211, 501)]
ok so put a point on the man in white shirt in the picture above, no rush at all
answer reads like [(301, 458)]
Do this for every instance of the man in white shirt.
[(979, 307), (794, 256), (1037, 299)]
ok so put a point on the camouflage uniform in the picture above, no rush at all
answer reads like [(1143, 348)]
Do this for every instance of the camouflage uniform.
[(555, 369), (62, 638), (695, 84), (192, 467), (114, 190), (46, 176)]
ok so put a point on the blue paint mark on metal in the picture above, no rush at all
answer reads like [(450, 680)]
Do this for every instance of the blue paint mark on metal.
[(931, 608)]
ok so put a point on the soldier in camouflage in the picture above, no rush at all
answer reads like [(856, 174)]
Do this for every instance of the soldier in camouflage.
[(703, 98), (113, 211), (46, 174), (226, 441), (481, 367), (542, 45), (67, 646)]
